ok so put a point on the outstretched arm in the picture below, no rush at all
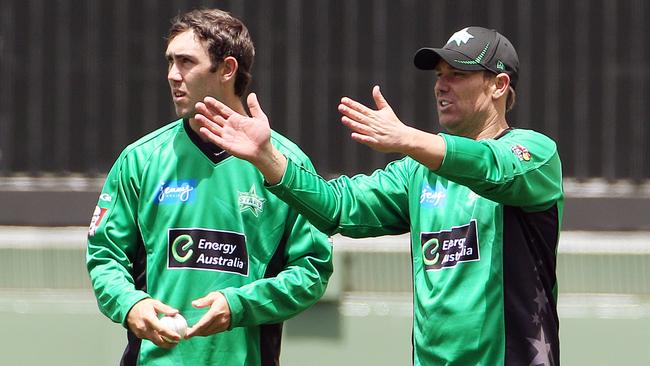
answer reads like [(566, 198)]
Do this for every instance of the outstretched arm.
[(361, 206), (245, 137), (382, 130)]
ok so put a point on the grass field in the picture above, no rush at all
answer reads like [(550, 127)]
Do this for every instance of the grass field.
[(49, 316), (66, 329)]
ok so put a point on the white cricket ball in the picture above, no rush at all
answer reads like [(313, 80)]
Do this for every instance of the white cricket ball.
[(176, 323)]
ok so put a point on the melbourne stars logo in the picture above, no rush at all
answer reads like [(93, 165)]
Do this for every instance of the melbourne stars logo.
[(460, 37), (251, 201)]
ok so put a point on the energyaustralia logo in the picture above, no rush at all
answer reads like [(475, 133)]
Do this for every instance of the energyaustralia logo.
[(430, 197), (216, 250), (175, 191), (447, 248)]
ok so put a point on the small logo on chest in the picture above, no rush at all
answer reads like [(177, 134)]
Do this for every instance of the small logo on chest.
[(432, 197), (175, 192), (251, 201)]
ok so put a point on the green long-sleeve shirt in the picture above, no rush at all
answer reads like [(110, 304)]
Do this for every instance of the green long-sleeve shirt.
[(178, 219), (484, 234)]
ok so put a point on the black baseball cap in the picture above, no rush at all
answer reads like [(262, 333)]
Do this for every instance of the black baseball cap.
[(473, 49)]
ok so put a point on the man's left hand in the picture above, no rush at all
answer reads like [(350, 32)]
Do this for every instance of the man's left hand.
[(216, 320), (378, 128)]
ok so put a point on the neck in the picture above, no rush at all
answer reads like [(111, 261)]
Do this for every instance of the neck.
[(492, 128), (486, 125), (233, 102)]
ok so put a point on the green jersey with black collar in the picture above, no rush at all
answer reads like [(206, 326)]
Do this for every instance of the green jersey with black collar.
[(484, 233), (178, 219)]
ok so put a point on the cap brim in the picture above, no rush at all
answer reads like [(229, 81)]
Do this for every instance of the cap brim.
[(428, 58)]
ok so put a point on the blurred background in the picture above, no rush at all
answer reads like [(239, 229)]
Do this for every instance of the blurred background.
[(79, 80)]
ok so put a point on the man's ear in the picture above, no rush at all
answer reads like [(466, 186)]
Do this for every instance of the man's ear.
[(228, 69), (501, 84)]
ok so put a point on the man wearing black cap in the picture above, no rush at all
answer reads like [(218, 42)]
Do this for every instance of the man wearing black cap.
[(483, 203)]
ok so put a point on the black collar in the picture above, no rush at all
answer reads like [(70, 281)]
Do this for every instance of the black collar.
[(504, 132), (212, 151)]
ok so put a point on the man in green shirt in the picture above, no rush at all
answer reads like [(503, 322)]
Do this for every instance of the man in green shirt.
[(483, 203), (236, 261)]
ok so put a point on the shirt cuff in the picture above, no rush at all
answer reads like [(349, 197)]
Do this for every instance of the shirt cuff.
[(287, 177), (133, 299), (235, 305)]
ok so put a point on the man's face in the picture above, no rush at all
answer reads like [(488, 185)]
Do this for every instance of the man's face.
[(189, 73), (463, 99)]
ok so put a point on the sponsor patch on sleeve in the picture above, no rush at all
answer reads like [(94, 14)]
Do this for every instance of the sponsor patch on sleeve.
[(447, 248), (106, 197), (96, 220), (521, 152)]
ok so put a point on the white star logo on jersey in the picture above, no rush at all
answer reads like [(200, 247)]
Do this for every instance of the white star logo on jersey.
[(460, 37), (251, 201), (542, 347), (536, 320), (540, 300)]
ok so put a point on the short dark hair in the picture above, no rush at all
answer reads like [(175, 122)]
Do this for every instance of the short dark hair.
[(225, 36)]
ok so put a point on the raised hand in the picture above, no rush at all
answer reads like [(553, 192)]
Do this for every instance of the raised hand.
[(242, 136), (216, 320), (143, 321), (378, 128), (248, 138)]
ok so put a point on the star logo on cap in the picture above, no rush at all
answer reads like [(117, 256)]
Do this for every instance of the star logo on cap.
[(460, 37)]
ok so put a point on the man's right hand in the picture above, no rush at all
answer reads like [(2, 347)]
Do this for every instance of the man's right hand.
[(248, 138), (144, 323)]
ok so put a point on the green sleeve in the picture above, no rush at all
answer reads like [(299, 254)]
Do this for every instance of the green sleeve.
[(361, 206), (112, 245), (300, 283), (297, 280), (521, 170)]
